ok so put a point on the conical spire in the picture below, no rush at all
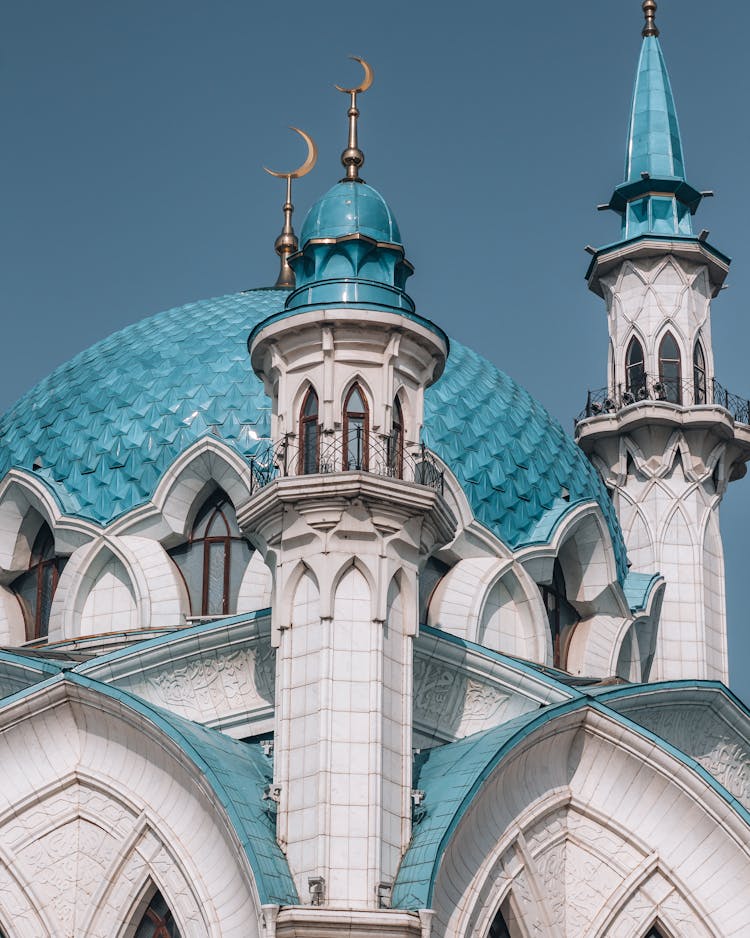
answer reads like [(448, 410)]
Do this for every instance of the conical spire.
[(654, 143), (655, 198)]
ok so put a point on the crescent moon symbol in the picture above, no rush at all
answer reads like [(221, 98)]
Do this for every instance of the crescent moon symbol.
[(366, 81), (311, 159)]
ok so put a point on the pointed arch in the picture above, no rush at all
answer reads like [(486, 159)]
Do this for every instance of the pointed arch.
[(396, 440), (309, 433), (700, 383), (356, 429), (670, 369), (158, 920), (635, 369), (35, 588), (215, 557)]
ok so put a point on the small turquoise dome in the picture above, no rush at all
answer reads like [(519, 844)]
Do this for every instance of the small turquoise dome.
[(102, 429), (351, 208)]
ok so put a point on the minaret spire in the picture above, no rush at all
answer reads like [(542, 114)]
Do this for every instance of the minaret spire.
[(649, 11), (353, 158), (286, 243)]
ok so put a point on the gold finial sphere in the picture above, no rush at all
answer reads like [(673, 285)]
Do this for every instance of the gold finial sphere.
[(649, 11)]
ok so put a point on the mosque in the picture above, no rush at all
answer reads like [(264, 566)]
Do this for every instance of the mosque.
[(314, 623)]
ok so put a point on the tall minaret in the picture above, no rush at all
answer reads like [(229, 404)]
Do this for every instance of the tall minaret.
[(350, 509), (666, 437)]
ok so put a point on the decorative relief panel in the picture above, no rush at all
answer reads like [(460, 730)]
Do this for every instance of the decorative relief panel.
[(210, 685), (65, 868), (700, 733), (454, 705)]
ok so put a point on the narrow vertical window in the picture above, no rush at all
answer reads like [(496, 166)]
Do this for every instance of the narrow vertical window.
[(635, 372), (396, 442), (36, 587), (699, 374), (355, 430), (158, 921), (670, 369), (309, 434)]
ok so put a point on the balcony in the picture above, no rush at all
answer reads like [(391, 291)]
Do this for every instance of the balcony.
[(361, 453), (680, 393)]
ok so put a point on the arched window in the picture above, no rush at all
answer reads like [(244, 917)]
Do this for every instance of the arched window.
[(699, 374), (214, 559), (670, 370), (562, 616), (36, 587), (158, 921), (635, 371), (356, 432), (309, 434), (396, 442)]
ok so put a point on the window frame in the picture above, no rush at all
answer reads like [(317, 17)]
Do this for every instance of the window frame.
[(700, 384), (668, 383), (364, 416), (306, 422)]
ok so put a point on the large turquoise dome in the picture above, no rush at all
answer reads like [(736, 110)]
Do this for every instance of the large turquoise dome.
[(350, 208), (102, 429)]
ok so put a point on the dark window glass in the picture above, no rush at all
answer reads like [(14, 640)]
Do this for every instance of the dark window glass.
[(396, 442), (158, 921), (562, 616), (699, 374), (35, 588), (214, 560), (635, 371), (670, 370), (355, 430), (309, 434)]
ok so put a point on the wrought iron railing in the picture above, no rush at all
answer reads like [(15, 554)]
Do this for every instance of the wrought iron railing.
[(684, 393), (361, 452)]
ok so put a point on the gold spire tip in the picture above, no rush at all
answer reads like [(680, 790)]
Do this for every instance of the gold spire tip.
[(287, 243), (649, 11), (352, 157)]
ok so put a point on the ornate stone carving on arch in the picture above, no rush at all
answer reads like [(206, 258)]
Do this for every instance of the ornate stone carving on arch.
[(493, 602), (158, 594), (75, 817), (570, 811)]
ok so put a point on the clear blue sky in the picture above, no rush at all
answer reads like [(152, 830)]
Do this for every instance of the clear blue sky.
[(134, 135)]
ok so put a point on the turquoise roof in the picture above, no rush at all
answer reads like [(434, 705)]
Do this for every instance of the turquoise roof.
[(654, 144), (350, 208), (106, 425)]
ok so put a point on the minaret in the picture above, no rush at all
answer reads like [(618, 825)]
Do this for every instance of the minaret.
[(349, 506), (665, 435)]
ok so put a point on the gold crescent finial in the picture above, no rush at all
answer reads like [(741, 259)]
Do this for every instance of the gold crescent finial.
[(310, 160), (352, 157), (366, 81), (649, 11), (287, 243)]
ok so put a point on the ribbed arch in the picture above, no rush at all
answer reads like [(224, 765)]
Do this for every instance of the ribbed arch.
[(36, 587)]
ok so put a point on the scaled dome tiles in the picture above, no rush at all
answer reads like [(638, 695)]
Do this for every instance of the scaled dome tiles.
[(103, 428)]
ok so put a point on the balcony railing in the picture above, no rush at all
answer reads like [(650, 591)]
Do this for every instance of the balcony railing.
[(360, 453), (684, 393)]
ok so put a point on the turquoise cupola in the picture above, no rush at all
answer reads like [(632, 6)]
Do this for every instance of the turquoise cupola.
[(655, 198), (351, 252)]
